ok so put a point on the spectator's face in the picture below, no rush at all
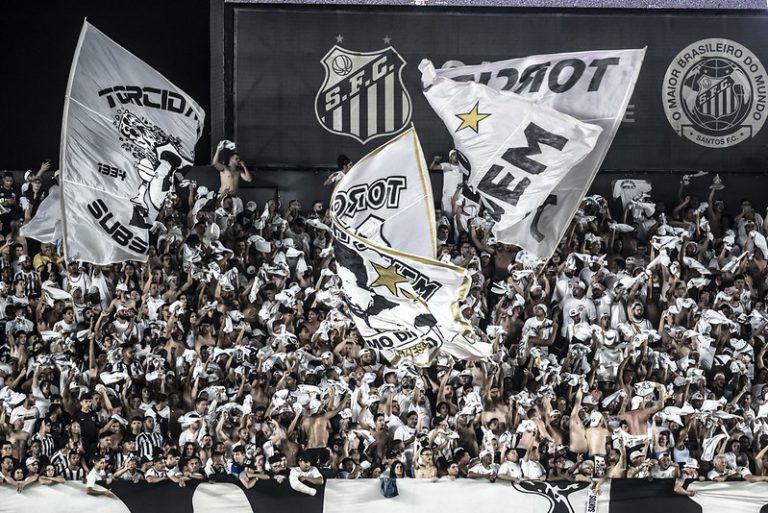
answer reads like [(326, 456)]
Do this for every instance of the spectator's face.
[(7, 182), (720, 464), (304, 465), (426, 457), (85, 405)]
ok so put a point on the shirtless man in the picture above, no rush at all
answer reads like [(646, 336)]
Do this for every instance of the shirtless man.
[(637, 419), (231, 168), (597, 434), (493, 402), (317, 427)]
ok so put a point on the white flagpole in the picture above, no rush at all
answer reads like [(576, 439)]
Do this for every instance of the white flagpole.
[(63, 142)]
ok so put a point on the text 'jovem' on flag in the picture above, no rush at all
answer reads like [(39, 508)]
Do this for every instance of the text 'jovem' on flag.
[(593, 87), (517, 150), (126, 131), (405, 304)]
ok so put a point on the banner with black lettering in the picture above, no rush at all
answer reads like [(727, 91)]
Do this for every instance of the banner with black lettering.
[(387, 191), (126, 131), (402, 300), (600, 101), (514, 151)]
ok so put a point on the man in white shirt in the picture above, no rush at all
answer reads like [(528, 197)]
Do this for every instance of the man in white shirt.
[(510, 469), (305, 473), (485, 468), (28, 412), (98, 473), (577, 301)]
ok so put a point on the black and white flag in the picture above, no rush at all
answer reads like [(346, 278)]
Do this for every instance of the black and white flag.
[(126, 131)]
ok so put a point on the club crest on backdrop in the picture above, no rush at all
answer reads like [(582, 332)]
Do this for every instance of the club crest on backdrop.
[(714, 93), (363, 95)]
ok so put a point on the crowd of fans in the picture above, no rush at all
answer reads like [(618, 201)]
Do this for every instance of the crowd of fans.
[(638, 350)]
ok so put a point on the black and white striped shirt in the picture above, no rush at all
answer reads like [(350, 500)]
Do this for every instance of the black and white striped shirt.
[(31, 281), (77, 474), (59, 461), (147, 442), (47, 444)]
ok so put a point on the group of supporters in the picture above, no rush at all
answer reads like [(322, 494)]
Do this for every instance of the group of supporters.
[(637, 350)]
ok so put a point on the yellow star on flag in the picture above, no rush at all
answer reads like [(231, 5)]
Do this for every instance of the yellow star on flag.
[(471, 119), (388, 277)]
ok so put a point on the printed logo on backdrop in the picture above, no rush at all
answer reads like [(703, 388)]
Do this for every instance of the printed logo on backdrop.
[(363, 95), (715, 93), (557, 494)]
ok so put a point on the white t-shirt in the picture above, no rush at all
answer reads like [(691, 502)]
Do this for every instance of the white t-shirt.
[(30, 416), (532, 469), (312, 472), (511, 469), (485, 471), (93, 476)]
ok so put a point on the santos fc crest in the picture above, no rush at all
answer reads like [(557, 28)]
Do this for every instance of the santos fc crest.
[(715, 93), (363, 95)]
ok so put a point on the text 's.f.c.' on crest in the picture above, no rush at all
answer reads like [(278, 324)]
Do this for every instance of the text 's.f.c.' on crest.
[(363, 95)]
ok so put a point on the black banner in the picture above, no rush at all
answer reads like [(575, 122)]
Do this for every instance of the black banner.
[(311, 83)]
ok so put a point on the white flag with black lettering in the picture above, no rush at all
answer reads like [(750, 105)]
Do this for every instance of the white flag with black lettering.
[(594, 87), (126, 131), (403, 301), (387, 197)]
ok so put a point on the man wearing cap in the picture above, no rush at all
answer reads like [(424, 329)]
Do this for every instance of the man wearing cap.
[(75, 278), (538, 331), (637, 419), (688, 474), (150, 441), (316, 426), (28, 275), (485, 468), (577, 302), (639, 466), (665, 468)]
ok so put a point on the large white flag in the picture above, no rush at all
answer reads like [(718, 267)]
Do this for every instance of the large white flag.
[(387, 198), (517, 150), (125, 132), (593, 87), (403, 303)]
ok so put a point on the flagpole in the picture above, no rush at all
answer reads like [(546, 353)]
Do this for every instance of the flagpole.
[(63, 141)]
